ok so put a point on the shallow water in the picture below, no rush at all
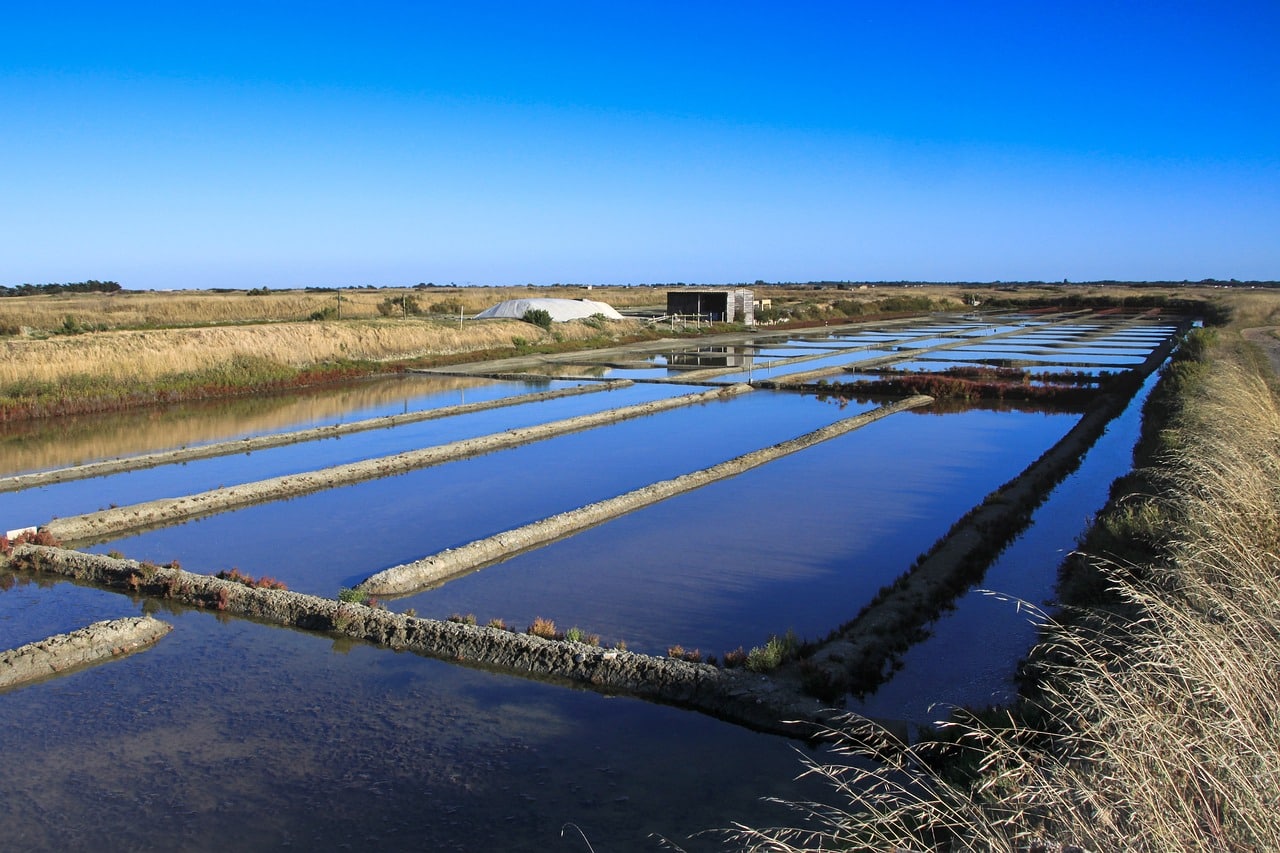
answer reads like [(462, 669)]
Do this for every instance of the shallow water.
[(36, 506), (234, 734), (942, 671), (33, 446)]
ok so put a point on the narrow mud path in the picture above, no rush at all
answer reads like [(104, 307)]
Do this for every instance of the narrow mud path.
[(17, 482), (455, 562), (111, 523), (63, 653)]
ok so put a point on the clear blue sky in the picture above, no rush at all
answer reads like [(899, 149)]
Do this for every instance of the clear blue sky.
[(168, 145)]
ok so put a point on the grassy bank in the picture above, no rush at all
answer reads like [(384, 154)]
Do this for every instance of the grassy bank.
[(103, 371), (1152, 724)]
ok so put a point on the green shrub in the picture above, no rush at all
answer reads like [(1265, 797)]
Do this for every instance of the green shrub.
[(538, 317), (774, 653), (353, 596), (395, 306), (446, 306)]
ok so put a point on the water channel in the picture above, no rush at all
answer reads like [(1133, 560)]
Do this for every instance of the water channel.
[(235, 734)]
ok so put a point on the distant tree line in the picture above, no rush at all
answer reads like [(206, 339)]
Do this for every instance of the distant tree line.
[(90, 286)]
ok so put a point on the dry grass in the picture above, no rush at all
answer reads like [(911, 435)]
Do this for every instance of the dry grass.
[(134, 310), (147, 355), (1157, 732)]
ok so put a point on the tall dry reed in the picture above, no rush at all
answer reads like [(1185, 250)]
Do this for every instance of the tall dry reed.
[(147, 355), (1158, 731)]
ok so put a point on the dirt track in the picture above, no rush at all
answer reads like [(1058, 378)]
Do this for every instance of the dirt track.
[(1266, 340)]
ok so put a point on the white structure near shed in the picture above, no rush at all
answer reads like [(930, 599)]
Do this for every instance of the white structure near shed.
[(561, 310)]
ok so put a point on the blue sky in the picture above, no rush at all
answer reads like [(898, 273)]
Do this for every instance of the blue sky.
[(286, 144)]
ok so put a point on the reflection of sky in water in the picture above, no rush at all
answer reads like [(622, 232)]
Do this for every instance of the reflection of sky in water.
[(780, 371), (346, 742), (1064, 357), (799, 543), (35, 607), (944, 668), (263, 737), (35, 506), (75, 440), (335, 538), (942, 363)]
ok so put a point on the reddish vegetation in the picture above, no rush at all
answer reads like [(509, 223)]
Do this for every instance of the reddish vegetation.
[(263, 582), (544, 628), (40, 537), (681, 653)]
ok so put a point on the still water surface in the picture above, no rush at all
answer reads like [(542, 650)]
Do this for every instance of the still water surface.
[(234, 734)]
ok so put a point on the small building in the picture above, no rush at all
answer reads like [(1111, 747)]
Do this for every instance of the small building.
[(732, 305)]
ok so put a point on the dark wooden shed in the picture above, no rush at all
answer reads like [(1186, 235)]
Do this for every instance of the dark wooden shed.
[(731, 305)]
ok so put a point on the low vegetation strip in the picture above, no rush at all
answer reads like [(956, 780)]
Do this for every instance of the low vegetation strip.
[(18, 482), (457, 561), (108, 523), (62, 653)]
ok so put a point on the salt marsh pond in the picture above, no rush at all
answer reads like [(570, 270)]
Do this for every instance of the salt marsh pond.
[(231, 733)]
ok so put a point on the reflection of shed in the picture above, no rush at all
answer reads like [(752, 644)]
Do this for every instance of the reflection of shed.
[(726, 356), (722, 306)]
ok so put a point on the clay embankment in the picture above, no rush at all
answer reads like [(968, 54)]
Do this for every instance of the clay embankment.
[(736, 695), (857, 654), (109, 523), (101, 641), (18, 482), (467, 558)]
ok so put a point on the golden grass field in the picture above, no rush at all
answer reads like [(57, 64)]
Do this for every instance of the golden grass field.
[(149, 334), (138, 309), (147, 355)]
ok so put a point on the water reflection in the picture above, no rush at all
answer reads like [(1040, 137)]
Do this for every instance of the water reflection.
[(39, 445), (233, 735), (254, 737)]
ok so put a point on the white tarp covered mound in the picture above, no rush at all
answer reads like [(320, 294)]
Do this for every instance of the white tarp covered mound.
[(560, 310)]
